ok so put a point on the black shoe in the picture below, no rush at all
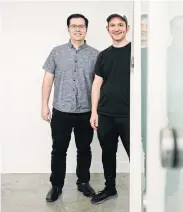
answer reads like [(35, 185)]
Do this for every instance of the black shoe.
[(87, 190), (104, 195), (53, 194)]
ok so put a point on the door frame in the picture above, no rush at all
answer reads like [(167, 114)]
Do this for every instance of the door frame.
[(135, 114)]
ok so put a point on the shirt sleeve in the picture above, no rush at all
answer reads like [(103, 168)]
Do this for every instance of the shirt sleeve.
[(98, 65), (50, 64)]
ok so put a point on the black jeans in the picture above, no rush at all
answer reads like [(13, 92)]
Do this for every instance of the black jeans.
[(109, 129), (62, 125)]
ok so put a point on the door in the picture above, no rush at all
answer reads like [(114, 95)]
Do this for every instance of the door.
[(164, 179)]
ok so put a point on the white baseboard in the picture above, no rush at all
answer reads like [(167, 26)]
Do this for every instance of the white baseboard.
[(122, 167), (96, 167)]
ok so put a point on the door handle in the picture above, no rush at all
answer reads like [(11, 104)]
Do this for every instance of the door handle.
[(169, 152)]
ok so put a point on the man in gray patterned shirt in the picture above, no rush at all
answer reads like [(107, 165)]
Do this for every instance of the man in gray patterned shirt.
[(71, 68)]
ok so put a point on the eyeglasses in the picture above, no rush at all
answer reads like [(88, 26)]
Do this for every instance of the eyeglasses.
[(82, 26)]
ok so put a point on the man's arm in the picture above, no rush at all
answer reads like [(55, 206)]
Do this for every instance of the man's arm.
[(97, 83), (46, 91)]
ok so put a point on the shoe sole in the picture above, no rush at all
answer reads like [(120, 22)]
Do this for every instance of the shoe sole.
[(86, 195), (47, 200), (50, 200), (108, 198)]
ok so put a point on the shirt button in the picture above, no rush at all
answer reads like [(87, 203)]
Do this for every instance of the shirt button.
[(74, 79), (74, 70), (76, 61)]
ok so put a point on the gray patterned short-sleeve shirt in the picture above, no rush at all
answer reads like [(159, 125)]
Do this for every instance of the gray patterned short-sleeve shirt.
[(74, 72)]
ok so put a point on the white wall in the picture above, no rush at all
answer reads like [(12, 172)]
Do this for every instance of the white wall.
[(29, 31)]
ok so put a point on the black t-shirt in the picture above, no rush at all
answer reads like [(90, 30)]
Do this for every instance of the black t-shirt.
[(113, 65)]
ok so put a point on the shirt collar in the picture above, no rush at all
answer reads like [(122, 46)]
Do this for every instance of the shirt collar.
[(80, 47)]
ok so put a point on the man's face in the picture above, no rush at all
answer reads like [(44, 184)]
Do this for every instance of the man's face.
[(117, 29), (144, 29), (77, 29)]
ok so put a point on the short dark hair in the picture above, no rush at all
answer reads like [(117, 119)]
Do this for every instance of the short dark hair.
[(77, 16), (115, 15)]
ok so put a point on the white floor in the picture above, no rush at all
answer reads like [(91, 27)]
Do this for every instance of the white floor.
[(26, 193)]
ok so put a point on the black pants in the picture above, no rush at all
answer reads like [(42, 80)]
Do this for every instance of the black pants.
[(62, 125), (109, 129)]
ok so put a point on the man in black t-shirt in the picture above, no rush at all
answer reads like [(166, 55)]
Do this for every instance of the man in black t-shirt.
[(111, 101)]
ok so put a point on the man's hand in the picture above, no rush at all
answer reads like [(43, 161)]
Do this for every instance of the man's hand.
[(46, 114), (94, 121)]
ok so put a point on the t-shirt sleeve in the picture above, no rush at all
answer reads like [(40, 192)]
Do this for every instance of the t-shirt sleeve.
[(98, 65), (49, 64)]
